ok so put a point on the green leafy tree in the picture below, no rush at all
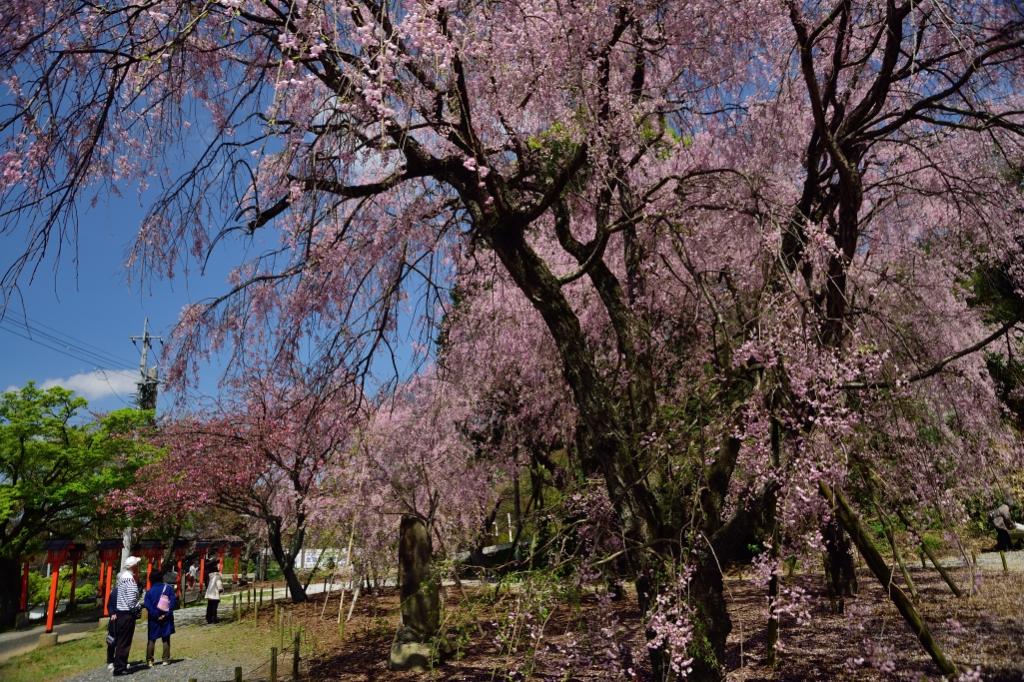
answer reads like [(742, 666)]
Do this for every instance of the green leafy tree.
[(57, 463)]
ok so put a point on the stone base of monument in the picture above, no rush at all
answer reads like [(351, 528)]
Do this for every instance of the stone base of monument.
[(47, 639), (410, 653), (410, 656)]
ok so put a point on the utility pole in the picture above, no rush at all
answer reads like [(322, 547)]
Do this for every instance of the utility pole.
[(147, 375), (146, 399)]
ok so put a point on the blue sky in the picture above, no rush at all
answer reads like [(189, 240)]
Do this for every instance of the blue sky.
[(90, 311), (81, 315)]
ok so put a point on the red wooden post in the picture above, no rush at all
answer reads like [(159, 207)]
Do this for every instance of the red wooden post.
[(236, 555), (75, 554), (203, 547), (110, 570), (24, 586), (56, 552), (110, 552), (51, 606), (102, 574), (153, 551), (180, 547)]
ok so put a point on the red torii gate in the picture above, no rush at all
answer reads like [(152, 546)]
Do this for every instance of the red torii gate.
[(109, 551), (23, 604), (57, 552), (180, 549), (236, 555), (222, 547), (152, 550), (74, 556), (202, 547)]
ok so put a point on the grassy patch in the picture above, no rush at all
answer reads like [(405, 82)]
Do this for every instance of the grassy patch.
[(229, 644), (58, 662)]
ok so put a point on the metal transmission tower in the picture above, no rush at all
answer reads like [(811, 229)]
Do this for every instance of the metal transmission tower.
[(146, 399), (148, 380)]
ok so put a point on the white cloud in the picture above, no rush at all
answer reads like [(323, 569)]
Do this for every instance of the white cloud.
[(99, 384)]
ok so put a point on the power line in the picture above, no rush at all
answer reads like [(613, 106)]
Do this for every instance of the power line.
[(76, 341), (113, 390), (56, 349), (65, 341), (62, 351)]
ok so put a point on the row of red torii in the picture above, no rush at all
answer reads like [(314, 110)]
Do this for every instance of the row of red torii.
[(61, 552)]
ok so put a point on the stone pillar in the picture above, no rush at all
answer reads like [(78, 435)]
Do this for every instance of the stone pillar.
[(414, 642)]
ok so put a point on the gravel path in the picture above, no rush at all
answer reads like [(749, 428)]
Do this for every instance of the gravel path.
[(180, 670), (219, 666), (990, 561)]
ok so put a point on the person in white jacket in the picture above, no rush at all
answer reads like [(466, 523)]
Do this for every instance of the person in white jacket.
[(214, 586)]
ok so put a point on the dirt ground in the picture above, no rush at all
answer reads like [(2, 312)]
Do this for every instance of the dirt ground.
[(589, 640)]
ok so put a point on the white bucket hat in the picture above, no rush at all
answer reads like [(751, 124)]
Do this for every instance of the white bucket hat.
[(131, 562)]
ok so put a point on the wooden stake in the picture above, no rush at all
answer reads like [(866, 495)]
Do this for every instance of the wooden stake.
[(238, 674), (273, 664), (327, 598), (295, 657), (352, 606), (1002, 557)]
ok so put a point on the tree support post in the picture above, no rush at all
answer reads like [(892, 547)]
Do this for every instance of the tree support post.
[(946, 577), (23, 604), (846, 516)]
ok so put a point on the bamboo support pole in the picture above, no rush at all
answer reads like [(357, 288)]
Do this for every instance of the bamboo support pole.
[(946, 577), (883, 572)]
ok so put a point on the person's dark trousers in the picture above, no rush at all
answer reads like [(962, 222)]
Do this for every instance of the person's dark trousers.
[(211, 610), (113, 634), (151, 649), (124, 630)]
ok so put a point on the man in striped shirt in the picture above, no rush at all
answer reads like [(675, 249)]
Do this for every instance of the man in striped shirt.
[(128, 594)]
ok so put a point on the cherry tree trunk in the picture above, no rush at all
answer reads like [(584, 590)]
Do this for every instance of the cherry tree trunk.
[(421, 610), (708, 616), (286, 560), (10, 590), (840, 572)]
